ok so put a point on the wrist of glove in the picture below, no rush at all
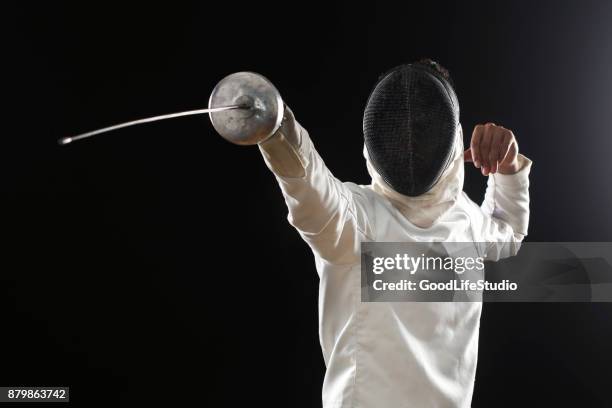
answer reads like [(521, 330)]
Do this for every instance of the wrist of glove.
[(282, 151)]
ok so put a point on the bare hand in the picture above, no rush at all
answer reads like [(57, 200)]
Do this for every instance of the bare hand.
[(493, 149)]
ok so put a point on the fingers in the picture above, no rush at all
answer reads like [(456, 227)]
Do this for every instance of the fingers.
[(490, 147), (475, 145), (486, 144), (481, 146), (496, 141), (467, 155)]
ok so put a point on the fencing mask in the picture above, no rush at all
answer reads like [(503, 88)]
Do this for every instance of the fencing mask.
[(409, 125)]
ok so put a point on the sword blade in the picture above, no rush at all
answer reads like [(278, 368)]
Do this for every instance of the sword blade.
[(67, 140)]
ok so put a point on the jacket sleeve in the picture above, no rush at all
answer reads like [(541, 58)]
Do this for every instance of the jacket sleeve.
[(327, 213), (505, 212)]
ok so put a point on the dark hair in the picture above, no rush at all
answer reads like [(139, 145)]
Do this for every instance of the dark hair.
[(433, 66), (436, 68)]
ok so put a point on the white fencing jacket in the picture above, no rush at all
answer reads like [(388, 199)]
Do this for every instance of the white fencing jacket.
[(394, 354)]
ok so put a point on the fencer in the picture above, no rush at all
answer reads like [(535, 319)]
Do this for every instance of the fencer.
[(390, 355)]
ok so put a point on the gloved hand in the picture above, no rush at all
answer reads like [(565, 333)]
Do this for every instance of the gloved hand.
[(283, 150)]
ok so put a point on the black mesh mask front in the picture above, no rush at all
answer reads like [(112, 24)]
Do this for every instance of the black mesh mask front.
[(409, 125)]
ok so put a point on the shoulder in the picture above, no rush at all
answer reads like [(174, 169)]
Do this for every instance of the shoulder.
[(364, 196), (363, 205)]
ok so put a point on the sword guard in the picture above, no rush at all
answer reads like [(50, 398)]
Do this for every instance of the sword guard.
[(246, 126)]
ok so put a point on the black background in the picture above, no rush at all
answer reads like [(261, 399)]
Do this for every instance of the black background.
[(156, 264)]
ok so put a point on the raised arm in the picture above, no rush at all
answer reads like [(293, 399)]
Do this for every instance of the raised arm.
[(327, 213), (494, 150)]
